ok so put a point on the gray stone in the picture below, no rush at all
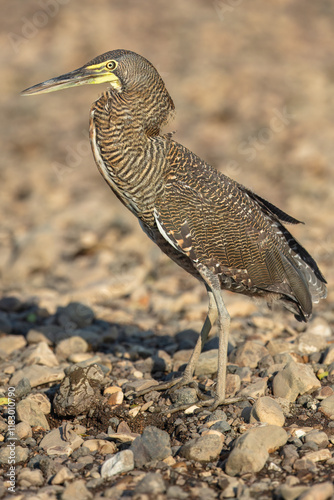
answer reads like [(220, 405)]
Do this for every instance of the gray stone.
[(38, 375), (18, 453), (40, 354), (322, 491), (329, 355), (64, 474), (267, 410), (233, 384), (79, 392), (42, 400), (152, 484), (290, 455), (23, 430), (9, 343), (5, 324), (295, 379), (327, 407), (207, 363), (255, 390), (205, 448), (287, 492), (121, 462), (27, 478), (35, 337), (249, 354), (177, 493), (77, 313), (307, 343), (221, 426), (184, 395), (76, 490), (70, 346), (231, 486), (61, 441), (22, 388), (29, 411), (252, 449), (319, 327), (153, 444), (318, 437)]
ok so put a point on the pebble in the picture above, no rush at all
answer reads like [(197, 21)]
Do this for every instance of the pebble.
[(80, 357), (329, 355), (35, 336), (184, 395), (140, 385), (23, 430), (21, 454), (79, 391), (27, 478), (249, 354), (318, 456), (115, 395), (177, 493), (23, 388), (38, 375), (123, 461), (251, 450), (61, 441), (231, 486), (267, 410), (255, 390), (205, 448), (77, 313), (29, 411), (153, 444), (318, 437), (327, 407), (42, 400), (278, 346), (233, 384), (308, 343), (319, 327), (322, 491), (151, 484), (293, 380), (287, 492), (64, 474), (323, 392), (76, 490), (9, 343), (40, 354), (101, 445), (70, 346), (221, 426), (207, 363)]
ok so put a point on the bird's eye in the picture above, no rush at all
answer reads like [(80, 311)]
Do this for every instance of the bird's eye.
[(111, 65)]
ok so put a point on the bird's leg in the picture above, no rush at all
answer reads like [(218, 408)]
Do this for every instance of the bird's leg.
[(208, 324), (187, 377), (213, 284)]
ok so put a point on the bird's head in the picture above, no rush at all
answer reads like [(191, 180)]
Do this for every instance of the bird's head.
[(122, 69)]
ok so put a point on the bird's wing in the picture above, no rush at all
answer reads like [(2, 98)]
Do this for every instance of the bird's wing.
[(238, 235)]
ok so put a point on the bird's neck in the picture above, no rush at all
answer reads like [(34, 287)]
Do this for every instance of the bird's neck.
[(129, 150)]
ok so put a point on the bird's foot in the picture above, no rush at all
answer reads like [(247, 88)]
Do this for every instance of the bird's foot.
[(173, 385), (210, 404)]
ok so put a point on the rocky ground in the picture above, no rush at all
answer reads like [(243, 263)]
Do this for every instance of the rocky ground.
[(90, 311)]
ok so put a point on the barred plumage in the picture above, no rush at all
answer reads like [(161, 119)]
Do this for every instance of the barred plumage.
[(213, 227)]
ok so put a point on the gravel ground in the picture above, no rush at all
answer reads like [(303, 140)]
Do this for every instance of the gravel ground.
[(91, 312)]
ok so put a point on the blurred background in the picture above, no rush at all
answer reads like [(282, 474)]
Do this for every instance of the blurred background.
[(253, 86)]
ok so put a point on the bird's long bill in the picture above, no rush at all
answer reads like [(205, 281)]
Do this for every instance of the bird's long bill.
[(96, 73)]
